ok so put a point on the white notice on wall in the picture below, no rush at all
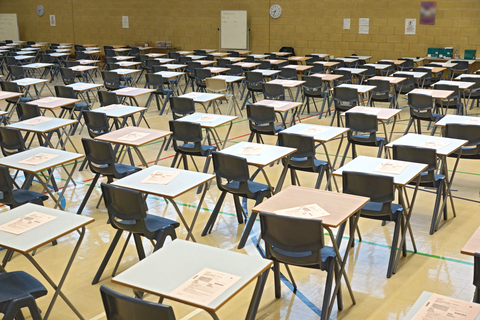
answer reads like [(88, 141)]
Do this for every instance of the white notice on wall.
[(363, 25), (53, 21), (346, 24), (205, 286), (125, 22), (410, 26)]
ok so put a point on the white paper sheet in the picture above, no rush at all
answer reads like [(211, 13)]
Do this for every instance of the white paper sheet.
[(363, 25), (134, 136), (81, 86), (440, 307), (252, 150), (393, 167), (26, 223), (193, 95), (370, 110), (221, 77), (472, 121), (410, 26), (112, 107), (47, 100), (37, 159), (346, 24), (36, 120), (207, 118), (313, 131), (279, 104), (124, 90), (431, 144), (205, 286), (161, 177), (309, 211)]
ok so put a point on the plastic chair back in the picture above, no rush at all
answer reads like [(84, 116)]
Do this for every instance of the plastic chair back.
[(186, 137), (361, 123), (98, 153), (27, 111), (254, 81), (288, 74), (421, 105), (11, 141), (418, 155), (470, 132), (65, 92), (273, 91), (261, 119), (231, 168), (111, 80), (107, 98), (181, 107), (235, 70), (96, 122), (305, 155), (317, 68), (313, 86), (68, 76), (265, 65)]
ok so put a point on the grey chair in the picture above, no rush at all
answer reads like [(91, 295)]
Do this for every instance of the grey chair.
[(315, 88), (344, 99), (421, 109), (461, 67), (122, 307), (300, 242), (273, 91), (261, 120), (127, 211), (233, 177), (381, 93), (454, 101), (470, 132)]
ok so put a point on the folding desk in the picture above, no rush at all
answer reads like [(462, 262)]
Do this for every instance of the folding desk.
[(26, 83), (462, 86), (412, 171), (393, 81), (267, 73), (60, 57), (29, 241), (116, 137), (299, 68), (247, 65), (276, 62), (299, 59), (4, 95), (203, 98), (174, 66), (166, 269), (195, 57), (348, 60), (123, 112), (356, 72), (22, 58), (361, 89), (282, 107), (461, 76), (81, 87), (52, 103), (211, 127), (342, 207), (217, 70), (235, 59), (127, 72), (62, 158), (132, 93), (182, 183), (450, 118), (363, 58), (172, 75), (330, 134), (327, 64), (416, 75), (289, 85), (86, 70), (46, 130), (417, 140), (37, 66), (270, 155), (435, 94), (156, 55)]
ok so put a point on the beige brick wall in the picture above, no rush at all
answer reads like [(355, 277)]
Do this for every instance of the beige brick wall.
[(307, 25)]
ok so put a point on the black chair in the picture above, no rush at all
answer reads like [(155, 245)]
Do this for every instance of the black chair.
[(288, 74), (181, 107), (200, 52), (300, 242), (27, 111), (96, 122), (273, 91), (222, 63), (190, 71), (134, 51), (461, 67), (127, 211), (15, 72), (254, 85), (381, 93), (371, 72), (121, 307), (156, 82), (421, 109), (111, 80), (68, 76), (248, 59), (184, 60), (314, 58), (16, 197), (264, 65), (303, 159), (109, 53), (13, 87), (11, 141), (454, 101), (107, 98), (344, 99), (428, 178), (234, 170), (388, 70), (317, 68), (71, 109), (174, 55), (363, 132), (261, 120), (381, 192), (312, 89), (406, 66), (19, 290), (406, 85), (101, 160), (234, 54), (470, 132), (473, 93), (341, 64), (200, 76), (234, 70), (426, 81), (346, 77), (80, 55)]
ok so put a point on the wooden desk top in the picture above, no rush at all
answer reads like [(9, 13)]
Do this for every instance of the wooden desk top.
[(82, 86), (267, 157), (299, 58), (382, 114), (229, 79), (220, 119), (235, 59), (29, 82), (330, 133), (327, 64), (396, 62), (435, 94), (462, 85), (435, 69), (348, 59), (170, 74), (53, 102), (416, 75), (327, 76), (247, 65), (24, 57), (201, 97), (206, 62), (37, 65), (321, 55), (164, 60), (299, 67), (122, 49), (243, 52), (281, 54), (341, 206), (156, 55), (195, 57), (274, 61), (473, 244), (467, 76), (287, 83), (133, 92), (124, 72), (355, 71), (377, 66), (7, 95), (221, 54), (59, 54), (121, 112), (417, 140), (185, 53), (123, 58), (392, 80), (91, 51), (217, 69), (126, 64), (360, 87), (278, 105), (83, 68), (267, 73), (174, 66), (115, 136), (87, 61)]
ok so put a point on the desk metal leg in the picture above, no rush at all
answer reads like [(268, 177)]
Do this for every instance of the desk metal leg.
[(161, 149), (64, 276), (257, 295), (140, 156)]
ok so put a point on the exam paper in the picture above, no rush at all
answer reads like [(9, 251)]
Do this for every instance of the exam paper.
[(126, 89), (37, 159), (26, 223), (205, 286), (393, 167), (279, 104), (370, 110), (36, 120), (207, 118), (161, 177), (47, 100), (472, 121), (313, 131), (112, 107), (134, 136), (308, 211), (192, 95), (440, 307), (252, 150), (431, 144)]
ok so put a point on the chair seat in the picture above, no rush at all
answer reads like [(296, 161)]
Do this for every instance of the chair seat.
[(372, 211), (357, 139), (122, 169), (253, 187), (17, 284), (188, 148), (155, 223), (78, 106), (23, 196), (382, 99), (328, 253), (303, 165)]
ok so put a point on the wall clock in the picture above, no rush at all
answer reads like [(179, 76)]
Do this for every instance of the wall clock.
[(40, 10), (275, 11)]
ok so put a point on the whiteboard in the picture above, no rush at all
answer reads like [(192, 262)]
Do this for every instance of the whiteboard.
[(233, 29), (9, 27)]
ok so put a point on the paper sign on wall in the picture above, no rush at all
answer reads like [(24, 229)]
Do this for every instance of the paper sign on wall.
[(346, 24), (125, 22), (410, 26), (53, 21), (363, 25)]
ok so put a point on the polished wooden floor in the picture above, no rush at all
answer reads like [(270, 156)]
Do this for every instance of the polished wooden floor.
[(438, 265)]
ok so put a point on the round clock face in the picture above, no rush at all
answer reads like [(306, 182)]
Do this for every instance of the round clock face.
[(275, 11), (40, 10)]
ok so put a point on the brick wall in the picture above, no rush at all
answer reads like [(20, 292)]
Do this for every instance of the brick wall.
[(307, 25)]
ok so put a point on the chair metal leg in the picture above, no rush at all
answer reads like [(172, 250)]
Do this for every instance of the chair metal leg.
[(213, 216)]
